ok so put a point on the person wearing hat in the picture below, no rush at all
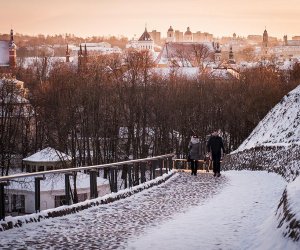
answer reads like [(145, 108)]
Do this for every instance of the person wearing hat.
[(214, 147), (194, 153)]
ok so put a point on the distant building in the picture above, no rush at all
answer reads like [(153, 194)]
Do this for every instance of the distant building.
[(218, 54), (202, 37), (8, 54), (265, 41), (156, 36), (83, 53), (170, 35), (47, 159), (231, 56), (288, 50), (20, 197), (133, 44), (67, 54), (187, 36), (176, 54), (296, 38), (146, 42), (254, 39), (178, 36)]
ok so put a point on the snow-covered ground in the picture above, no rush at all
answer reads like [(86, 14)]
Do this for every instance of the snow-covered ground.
[(235, 211), (240, 217)]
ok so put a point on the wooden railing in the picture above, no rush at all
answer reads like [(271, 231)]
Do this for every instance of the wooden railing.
[(133, 172)]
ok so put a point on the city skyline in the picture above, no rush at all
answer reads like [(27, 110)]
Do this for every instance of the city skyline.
[(129, 18)]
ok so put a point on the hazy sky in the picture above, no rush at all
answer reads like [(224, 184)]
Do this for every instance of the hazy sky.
[(128, 17)]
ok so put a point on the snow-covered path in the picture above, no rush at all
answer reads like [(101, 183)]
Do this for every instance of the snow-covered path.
[(235, 211), (234, 219), (110, 226)]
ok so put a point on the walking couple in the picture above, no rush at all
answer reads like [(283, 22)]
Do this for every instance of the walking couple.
[(214, 147)]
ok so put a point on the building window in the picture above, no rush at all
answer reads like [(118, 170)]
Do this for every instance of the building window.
[(59, 200), (6, 203), (28, 168), (40, 168), (82, 197), (49, 168), (18, 203)]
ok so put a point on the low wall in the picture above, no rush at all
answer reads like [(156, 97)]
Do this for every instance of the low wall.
[(281, 160)]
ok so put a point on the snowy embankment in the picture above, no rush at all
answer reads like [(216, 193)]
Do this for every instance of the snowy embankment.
[(239, 217), (274, 145), (11, 222), (288, 212)]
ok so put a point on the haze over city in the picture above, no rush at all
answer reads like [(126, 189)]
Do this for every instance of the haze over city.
[(128, 18)]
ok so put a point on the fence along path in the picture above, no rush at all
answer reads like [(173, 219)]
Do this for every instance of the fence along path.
[(133, 172)]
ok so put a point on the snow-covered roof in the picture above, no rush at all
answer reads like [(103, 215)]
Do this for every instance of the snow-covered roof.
[(220, 73), (183, 52), (280, 127), (190, 72), (4, 53), (48, 155)]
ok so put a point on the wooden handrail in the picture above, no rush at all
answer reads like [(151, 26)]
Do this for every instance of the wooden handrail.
[(77, 169)]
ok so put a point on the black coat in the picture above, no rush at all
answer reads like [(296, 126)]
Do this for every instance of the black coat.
[(214, 145)]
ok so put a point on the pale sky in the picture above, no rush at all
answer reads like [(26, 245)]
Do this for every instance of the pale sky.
[(128, 17)]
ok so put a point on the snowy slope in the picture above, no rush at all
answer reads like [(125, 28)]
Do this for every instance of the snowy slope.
[(280, 127), (229, 221)]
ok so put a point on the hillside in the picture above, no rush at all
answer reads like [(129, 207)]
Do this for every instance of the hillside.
[(280, 127), (274, 145)]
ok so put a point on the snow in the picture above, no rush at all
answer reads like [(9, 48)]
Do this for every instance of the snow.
[(125, 193), (240, 217), (293, 194), (190, 72), (280, 127), (48, 155)]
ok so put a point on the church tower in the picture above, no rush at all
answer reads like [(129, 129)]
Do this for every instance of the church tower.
[(217, 53), (285, 40), (67, 54), (12, 51), (231, 56), (170, 35), (80, 58), (265, 43), (146, 42), (188, 36), (85, 55)]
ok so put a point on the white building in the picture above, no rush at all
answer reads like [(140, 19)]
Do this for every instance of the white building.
[(170, 35), (188, 35), (47, 159), (94, 48), (20, 195), (146, 42), (133, 44)]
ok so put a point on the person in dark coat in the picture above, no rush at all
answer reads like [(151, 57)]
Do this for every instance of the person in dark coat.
[(215, 147), (194, 153)]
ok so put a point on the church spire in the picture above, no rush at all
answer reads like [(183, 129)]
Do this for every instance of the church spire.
[(12, 51), (67, 54)]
